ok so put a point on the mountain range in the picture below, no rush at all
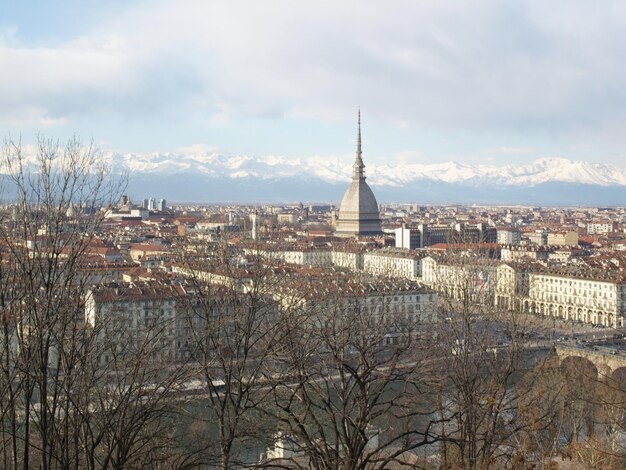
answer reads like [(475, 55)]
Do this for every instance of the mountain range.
[(204, 176), (212, 177)]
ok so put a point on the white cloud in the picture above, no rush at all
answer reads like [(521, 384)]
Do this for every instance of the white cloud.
[(511, 150), (477, 65), (197, 150), (30, 116)]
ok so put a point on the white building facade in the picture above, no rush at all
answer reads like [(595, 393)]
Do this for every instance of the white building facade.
[(396, 263), (584, 298), (350, 259), (128, 318)]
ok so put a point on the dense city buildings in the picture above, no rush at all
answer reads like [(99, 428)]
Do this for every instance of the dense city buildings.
[(226, 301), (427, 239), (187, 292)]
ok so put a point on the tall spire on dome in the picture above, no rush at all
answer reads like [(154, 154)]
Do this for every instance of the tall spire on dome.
[(358, 213), (358, 167)]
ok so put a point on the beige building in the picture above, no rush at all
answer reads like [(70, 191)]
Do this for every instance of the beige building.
[(308, 256), (301, 255), (393, 262), (508, 236), (600, 227), (156, 321), (563, 238), (461, 277), (287, 219), (141, 319), (140, 252), (525, 253), (585, 295), (392, 304), (538, 237), (348, 257), (238, 278), (570, 293), (512, 284)]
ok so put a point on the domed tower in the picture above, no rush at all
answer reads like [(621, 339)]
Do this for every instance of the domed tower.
[(358, 213)]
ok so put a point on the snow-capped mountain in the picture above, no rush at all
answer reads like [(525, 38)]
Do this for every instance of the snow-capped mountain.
[(332, 170), (207, 176)]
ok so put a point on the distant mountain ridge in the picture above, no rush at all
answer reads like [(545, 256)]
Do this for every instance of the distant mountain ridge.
[(537, 172), (213, 177)]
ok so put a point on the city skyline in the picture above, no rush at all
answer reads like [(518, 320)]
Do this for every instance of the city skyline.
[(478, 83), (209, 260)]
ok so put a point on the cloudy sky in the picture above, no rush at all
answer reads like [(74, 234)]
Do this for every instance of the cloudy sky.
[(474, 81)]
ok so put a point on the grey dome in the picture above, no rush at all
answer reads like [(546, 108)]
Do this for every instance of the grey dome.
[(359, 202)]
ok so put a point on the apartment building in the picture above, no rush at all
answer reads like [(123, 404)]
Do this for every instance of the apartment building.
[(461, 277), (393, 262), (349, 257), (301, 255), (156, 321), (408, 238), (141, 319), (594, 228), (569, 238), (507, 236), (286, 218), (390, 303), (308, 256), (525, 253), (585, 295), (538, 237)]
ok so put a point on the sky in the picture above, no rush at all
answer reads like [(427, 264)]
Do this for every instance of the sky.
[(477, 81)]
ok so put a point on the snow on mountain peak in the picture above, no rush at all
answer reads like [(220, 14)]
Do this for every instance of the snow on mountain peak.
[(339, 169), (201, 160)]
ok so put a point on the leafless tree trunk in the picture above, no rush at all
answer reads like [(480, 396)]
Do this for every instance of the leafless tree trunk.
[(231, 334), (487, 352), (43, 248), (346, 399)]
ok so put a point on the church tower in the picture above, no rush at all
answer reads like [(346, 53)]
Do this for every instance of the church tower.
[(358, 213)]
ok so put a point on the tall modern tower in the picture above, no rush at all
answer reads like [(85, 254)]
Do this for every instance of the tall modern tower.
[(358, 213)]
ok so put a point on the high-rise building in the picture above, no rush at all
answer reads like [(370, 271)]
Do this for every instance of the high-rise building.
[(358, 213), (255, 225), (408, 237), (162, 205), (508, 236)]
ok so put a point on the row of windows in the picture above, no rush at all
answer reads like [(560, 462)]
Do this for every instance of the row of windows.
[(584, 292), (143, 302), (550, 280), (559, 298)]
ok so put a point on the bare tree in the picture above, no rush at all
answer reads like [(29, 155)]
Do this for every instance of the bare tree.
[(56, 197), (354, 383), (131, 386), (541, 410), (487, 350), (231, 331)]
